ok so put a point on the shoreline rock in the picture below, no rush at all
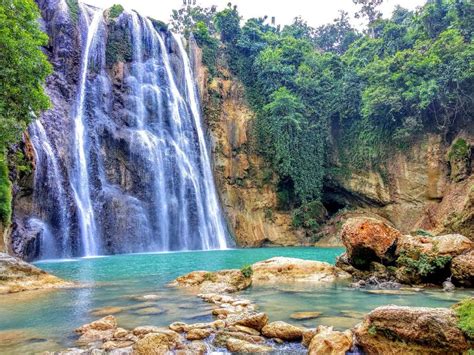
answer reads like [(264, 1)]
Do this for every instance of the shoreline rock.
[(17, 276)]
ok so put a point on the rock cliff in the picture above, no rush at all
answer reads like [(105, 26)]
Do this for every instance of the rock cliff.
[(245, 182)]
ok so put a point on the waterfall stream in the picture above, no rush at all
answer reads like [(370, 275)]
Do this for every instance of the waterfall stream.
[(141, 174)]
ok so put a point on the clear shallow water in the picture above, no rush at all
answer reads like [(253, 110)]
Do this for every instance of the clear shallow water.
[(46, 320)]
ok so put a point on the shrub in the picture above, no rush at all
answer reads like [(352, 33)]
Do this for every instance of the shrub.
[(459, 150), (422, 264), (465, 312), (247, 271), (74, 11), (115, 11), (5, 192)]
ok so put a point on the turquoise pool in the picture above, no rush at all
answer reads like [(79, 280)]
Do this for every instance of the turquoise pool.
[(36, 321)]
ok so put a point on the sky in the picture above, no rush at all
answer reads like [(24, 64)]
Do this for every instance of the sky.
[(315, 12)]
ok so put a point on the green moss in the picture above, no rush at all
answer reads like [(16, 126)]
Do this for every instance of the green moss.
[(210, 276), (115, 11), (247, 271), (74, 10), (459, 150), (465, 312), (423, 233), (119, 45), (5, 192), (372, 330)]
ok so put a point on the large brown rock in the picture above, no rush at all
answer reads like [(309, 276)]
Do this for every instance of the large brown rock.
[(17, 275), (250, 320), (462, 269), (242, 346), (283, 270), (283, 331), (156, 343), (225, 281), (410, 330), (444, 245), (367, 240), (331, 342)]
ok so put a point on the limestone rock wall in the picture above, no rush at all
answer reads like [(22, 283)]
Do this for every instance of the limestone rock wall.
[(245, 183)]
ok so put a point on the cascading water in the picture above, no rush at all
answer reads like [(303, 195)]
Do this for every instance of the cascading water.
[(141, 176)]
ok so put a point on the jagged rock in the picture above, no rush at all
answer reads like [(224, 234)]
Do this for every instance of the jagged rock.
[(281, 269), (242, 346), (251, 320), (410, 330), (17, 276), (367, 240), (243, 329), (462, 269), (328, 341), (220, 281), (282, 330), (445, 245)]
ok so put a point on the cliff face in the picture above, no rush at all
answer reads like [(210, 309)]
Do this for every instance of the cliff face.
[(425, 186), (245, 183)]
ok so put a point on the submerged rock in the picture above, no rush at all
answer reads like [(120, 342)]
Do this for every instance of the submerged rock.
[(369, 239), (17, 275), (410, 330), (305, 315)]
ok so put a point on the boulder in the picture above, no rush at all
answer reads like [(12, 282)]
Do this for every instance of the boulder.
[(198, 334), (225, 281), (282, 330), (155, 343), (444, 245), (369, 239), (410, 330), (220, 340), (106, 323), (281, 269), (462, 269), (17, 275), (250, 320), (328, 341), (242, 346)]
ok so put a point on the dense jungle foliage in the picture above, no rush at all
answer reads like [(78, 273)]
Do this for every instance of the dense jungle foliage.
[(23, 70), (379, 89)]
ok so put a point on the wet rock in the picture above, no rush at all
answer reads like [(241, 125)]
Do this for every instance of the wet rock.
[(246, 330), (198, 334), (328, 341), (225, 281), (220, 340), (178, 327), (193, 348), (462, 269), (448, 286), (305, 315), (145, 330), (242, 346), (17, 276), (283, 331), (410, 330), (281, 269), (149, 311), (112, 345), (369, 239)]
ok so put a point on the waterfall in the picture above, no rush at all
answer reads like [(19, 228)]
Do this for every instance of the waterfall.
[(49, 195), (141, 174)]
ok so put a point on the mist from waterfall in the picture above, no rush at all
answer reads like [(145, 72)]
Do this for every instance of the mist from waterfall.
[(141, 175)]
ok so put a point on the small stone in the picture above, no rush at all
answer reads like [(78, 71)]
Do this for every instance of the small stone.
[(100, 312)]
